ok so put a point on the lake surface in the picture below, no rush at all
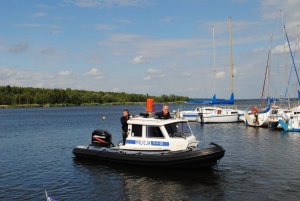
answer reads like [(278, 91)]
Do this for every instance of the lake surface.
[(36, 154)]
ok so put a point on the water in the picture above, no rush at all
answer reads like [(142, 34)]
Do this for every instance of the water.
[(36, 154)]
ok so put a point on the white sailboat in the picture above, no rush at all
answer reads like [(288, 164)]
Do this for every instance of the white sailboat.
[(277, 113), (291, 122), (258, 116), (222, 114), (216, 114), (190, 115)]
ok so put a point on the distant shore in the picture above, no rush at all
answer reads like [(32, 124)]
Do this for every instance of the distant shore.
[(81, 105)]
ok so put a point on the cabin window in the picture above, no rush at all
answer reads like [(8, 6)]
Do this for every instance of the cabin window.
[(180, 129), (136, 130), (154, 131)]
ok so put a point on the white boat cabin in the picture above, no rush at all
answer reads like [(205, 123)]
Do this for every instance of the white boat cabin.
[(157, 134)]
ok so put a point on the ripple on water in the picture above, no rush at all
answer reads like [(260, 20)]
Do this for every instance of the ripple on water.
[(36, 154)]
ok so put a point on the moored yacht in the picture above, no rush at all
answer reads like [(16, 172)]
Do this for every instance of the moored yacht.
[(277, 113), (225, 114), (257, 117), (291, 122), (190, 115)]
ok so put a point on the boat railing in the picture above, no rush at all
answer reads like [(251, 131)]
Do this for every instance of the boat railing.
[(234, 107), (192, 145)]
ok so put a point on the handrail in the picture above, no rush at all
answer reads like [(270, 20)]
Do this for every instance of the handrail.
[(189, 145)]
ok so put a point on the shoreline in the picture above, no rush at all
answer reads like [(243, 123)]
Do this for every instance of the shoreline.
[(73, 105)]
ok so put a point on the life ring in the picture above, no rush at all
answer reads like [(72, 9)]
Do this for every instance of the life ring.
[(254, 110)]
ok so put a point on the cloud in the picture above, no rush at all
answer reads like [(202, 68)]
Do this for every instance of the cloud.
[(148, 77), (154, 70), (39, 14), (125, 21), (47, 51), (154, 73), (27, 78), (106, 3), (116, 89), (124, 38), (52, 28), (186, 74), (220, 74), (259, 50), (139, 60), (284, 48), (106, 27), (18, 48), (95, 59), (167, 19), (64, 73), (63, 79), (148, 47), (274, 9), (95, 72)]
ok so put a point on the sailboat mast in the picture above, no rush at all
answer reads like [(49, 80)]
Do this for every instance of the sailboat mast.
[(267, 71), (214, 61), (269, 65), (231, 64)]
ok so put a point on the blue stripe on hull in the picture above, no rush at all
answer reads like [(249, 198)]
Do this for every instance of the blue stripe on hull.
[(190, 115), (147, 143)]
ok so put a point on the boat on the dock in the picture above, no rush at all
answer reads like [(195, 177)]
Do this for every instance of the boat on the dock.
[(257, 117), (278, 113), (155, 143), (291, 122), (190, 115), (221, 114)]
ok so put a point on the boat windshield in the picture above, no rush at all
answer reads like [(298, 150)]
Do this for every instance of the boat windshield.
[(178, 129)]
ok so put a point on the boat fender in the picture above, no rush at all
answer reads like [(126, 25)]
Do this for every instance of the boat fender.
[(254, 110)]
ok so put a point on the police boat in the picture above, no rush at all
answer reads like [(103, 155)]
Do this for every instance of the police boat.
[(152, 142)]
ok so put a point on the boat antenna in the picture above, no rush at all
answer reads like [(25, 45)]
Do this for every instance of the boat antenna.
[(231, 64), (214, 60)]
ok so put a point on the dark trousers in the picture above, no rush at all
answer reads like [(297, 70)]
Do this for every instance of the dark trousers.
[(124, 134)]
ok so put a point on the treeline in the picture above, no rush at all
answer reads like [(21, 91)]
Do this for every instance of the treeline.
[(14, 96)]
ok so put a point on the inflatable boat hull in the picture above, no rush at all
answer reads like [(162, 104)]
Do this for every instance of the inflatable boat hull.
[(193, 158)]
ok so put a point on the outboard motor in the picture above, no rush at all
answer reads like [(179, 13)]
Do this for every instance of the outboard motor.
[(101, 138)]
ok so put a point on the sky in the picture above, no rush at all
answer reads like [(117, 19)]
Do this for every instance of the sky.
[(149, 46)]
